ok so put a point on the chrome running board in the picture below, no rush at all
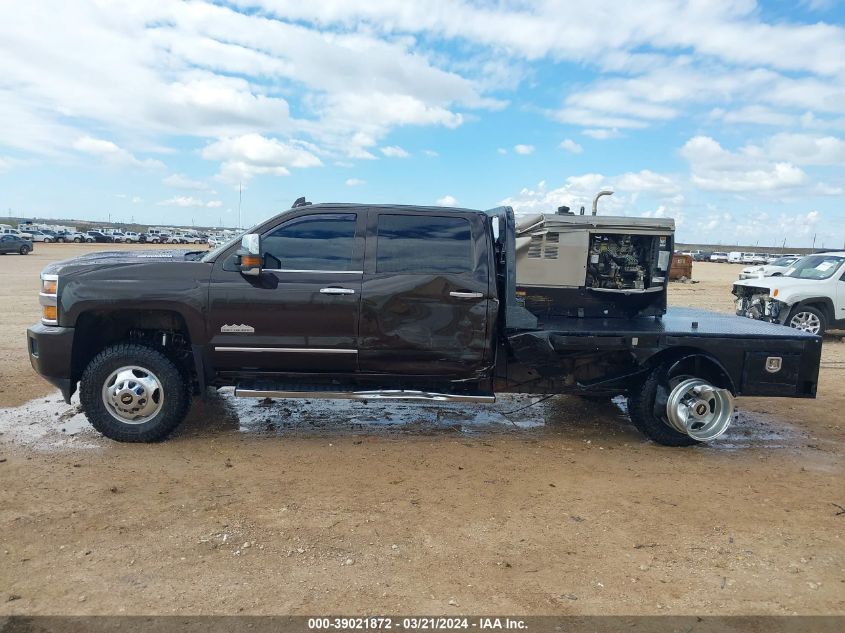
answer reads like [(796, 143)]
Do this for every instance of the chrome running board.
[(383, 394)]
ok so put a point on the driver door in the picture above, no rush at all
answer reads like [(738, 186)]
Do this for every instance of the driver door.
[(301, 313)]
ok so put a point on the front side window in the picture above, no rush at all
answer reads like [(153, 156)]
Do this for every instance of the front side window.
[(423, 244), (318, 242)]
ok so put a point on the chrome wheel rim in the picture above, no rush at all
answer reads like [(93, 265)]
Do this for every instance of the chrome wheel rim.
[(700, 410), (806, 322), (132, 394)]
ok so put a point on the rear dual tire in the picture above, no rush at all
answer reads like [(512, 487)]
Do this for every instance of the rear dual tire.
[(664, 403), (133, 393)]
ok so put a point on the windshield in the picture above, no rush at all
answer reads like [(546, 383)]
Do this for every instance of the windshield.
[(783, 261), (815, 267)]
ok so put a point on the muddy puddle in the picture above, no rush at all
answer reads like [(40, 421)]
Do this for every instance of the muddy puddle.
[(48, 424)]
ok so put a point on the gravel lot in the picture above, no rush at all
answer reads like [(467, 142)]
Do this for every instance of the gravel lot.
[(298, 507)]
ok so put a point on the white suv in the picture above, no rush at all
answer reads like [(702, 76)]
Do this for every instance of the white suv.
[(809, 296)]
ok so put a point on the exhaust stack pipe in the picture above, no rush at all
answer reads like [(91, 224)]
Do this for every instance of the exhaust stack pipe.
[(604, 192)]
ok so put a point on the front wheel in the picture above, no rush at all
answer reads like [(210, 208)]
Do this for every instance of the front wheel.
[(680, 410), (133, 393), (807, 319)]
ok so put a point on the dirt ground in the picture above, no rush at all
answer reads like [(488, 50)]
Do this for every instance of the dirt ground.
[(308, 508)]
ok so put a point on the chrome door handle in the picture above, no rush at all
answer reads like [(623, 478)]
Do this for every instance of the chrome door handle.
[(337, 291), (466, 295)]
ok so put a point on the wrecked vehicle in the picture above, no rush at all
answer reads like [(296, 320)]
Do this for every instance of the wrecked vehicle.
[(384, 302), (809, 295)]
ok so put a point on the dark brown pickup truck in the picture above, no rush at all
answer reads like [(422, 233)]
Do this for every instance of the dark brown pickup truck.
[(397, 302)]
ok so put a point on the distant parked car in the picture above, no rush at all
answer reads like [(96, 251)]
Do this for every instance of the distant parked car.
[(775, 269), (67, 236), (719, 257), (14, 244), (40, 236), (117, 237), (96, 236), (702, 256), (131, 236), (16, 233)]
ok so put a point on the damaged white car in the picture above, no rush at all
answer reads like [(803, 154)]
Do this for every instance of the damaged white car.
[(809, 296)]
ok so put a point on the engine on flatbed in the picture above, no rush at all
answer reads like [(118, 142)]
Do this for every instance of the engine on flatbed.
[(615, 262), (593, 266)]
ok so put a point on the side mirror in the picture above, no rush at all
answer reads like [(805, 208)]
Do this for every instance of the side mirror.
[(249, 255)]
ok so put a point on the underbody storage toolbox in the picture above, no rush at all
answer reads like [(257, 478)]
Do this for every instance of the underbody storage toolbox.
[(758, 380)]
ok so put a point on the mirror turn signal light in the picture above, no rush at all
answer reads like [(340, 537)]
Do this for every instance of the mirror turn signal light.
[(251, 260), (775, 293)]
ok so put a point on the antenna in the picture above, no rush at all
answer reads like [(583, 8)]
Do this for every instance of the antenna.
[(240, 197)]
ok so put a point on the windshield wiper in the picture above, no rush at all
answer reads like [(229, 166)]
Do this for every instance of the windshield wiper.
[(193, 256)]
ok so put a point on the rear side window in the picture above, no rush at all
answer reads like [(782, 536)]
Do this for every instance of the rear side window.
[(318, 242), (423, 244)]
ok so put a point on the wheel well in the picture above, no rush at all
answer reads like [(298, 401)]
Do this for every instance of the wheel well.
[(697, 363), (825, 306), (161, 329)]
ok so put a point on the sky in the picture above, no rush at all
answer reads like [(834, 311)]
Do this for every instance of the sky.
[(727, 115)]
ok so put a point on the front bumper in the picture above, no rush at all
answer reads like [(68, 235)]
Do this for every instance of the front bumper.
[(51, 355)]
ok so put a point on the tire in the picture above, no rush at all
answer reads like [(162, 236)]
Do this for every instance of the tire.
[(641, 405), (48, 241), (168, 393), (24, 250), (77, 240), (807, 319), (673, 399)]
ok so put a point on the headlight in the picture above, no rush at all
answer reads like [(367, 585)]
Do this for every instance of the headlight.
[(49, 284), (49, 299)]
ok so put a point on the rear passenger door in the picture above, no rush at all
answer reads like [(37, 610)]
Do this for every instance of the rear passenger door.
[(425, 294)]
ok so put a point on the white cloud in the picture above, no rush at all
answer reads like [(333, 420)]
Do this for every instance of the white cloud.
[(189, 201), (249, 155), (571, 146), (447, 201), (647, 181), (730, 31), (524, 150), (355, 182), (180, 181), (112, 154), (501, 151), (805, 149), (576, 191), (717, 169), (601, 134), (430, 153), (394, 151), (137, 199)]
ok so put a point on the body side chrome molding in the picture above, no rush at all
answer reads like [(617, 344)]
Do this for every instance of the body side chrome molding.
[(389, 394), (286, 350)]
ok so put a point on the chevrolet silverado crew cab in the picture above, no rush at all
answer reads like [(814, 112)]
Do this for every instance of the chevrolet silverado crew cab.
[(384, 302), (809, 295)]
